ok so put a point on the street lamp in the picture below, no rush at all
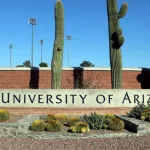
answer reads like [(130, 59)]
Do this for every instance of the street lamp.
[(32, 21), (68, 38), (41, 42), (10, 47)]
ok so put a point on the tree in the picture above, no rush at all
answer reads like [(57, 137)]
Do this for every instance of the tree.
[(25, 64), (43, 64), (86, 64), (20, 66)]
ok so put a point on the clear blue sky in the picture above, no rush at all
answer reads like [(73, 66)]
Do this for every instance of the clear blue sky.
[(85, 20)]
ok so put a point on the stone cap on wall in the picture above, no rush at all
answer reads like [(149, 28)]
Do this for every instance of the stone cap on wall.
[(71, 68)]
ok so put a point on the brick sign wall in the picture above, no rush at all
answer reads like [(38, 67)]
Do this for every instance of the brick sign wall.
[(98, 78), (133, 78)]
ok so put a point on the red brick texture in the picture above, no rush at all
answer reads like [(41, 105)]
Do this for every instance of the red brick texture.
[(69, 111), (100, 79), (12, 79)]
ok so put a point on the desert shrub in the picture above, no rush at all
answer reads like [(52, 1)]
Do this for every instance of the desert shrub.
[(53, 126), (91, 82), (50, 117), (73, 129), (72, 121), (80, 127), (149, 118), (137, 111), (62, 118), (38, 125), (7, 112), (145, 115), (4, 115), (109, 116), (43, 64), (95, 121), (116, 124)]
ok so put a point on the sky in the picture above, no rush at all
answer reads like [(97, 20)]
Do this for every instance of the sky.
[(85, 20)]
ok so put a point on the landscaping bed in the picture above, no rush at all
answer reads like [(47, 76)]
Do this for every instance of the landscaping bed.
[(61, 126), (20, 129), (97, 133), (65, 129)]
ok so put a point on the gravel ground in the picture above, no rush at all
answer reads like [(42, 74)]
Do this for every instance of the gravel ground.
[(14, 118), (134, 143)]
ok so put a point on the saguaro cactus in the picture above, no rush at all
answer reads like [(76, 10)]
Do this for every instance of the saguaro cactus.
[(56, 64), (116, 40)]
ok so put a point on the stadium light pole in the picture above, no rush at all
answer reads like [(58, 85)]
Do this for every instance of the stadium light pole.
[(41, 42), (10, 47), (32, 21), (69, 38)]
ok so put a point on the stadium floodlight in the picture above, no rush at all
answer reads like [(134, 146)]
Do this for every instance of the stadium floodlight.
[(10, 47), (68, 38), (41, 42), (32, 21)]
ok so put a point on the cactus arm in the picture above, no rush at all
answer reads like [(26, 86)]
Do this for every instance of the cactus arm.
[(57, 58), (123, 10), (120, 41)]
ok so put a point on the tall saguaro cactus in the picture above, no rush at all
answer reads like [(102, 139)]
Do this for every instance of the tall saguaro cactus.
[(116, 40), (57, 59)]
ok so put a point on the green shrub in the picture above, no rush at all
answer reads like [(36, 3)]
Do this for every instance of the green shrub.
[(109, 116), (62, 118), (50, 118), (53, 126), (80, 127), (7, 113), (4, 115), (145, 115), (116, 124), (138, 110), (73, 129), (72, 121), (95, 121), (38, 125), (43, 64), (149, 118)]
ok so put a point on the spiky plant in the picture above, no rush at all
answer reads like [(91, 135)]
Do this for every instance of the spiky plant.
[(57, 58), (95, 121), (72, 121), (4, 115), (116, 40), (138, 110), (62, 118), (50, 117), (53, 126), (38, 125), (116, 124), (145, 115), (80, 127)]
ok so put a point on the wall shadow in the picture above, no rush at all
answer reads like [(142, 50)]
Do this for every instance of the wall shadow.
[(144, 78), (78, 77), (34, 78)]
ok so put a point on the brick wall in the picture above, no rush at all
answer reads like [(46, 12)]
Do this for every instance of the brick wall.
[(72, 77), (69, 111), (21, 78)]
